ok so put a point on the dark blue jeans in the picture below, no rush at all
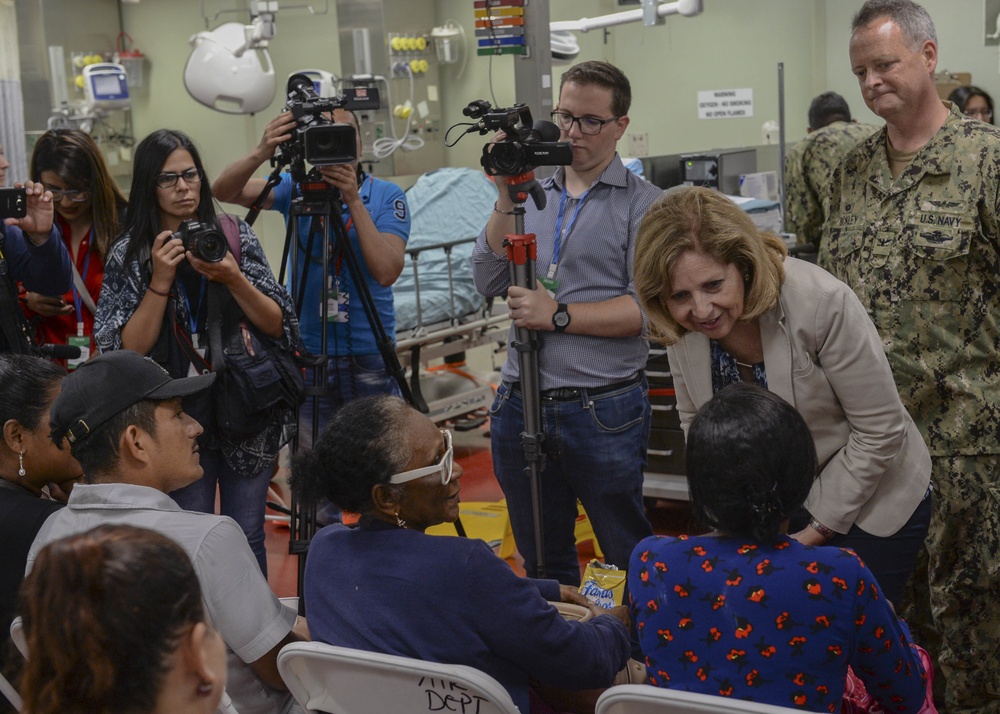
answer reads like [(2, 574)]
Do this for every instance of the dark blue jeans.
[(243, 498), (595, 452)]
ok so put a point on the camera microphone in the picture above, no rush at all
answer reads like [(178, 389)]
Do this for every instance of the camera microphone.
[(58, 351), (545, 131), (299, 84)]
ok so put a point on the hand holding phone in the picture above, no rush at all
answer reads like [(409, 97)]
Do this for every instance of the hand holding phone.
[(13, 203)]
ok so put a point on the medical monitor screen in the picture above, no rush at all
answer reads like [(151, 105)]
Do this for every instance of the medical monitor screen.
[(109, 86)]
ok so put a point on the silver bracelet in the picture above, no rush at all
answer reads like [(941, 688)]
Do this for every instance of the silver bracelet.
[(503, 213), (821, 529)]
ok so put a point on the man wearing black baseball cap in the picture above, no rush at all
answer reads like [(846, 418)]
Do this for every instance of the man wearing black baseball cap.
[(123, 417)]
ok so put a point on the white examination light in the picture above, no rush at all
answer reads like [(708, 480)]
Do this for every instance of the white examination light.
[(564, 46), (651, 11), (223, 75)]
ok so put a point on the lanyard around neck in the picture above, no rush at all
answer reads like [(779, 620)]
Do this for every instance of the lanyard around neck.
[(557, 247)]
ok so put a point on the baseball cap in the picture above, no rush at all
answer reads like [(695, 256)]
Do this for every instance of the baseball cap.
[(107, 385)]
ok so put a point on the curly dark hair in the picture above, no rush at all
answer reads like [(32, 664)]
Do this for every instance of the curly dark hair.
[(364, 445), (750, 462)]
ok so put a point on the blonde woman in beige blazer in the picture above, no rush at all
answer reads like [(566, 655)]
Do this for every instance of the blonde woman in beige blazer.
[(732, 307)]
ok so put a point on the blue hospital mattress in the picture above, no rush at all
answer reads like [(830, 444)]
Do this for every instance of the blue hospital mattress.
[(445, 205)]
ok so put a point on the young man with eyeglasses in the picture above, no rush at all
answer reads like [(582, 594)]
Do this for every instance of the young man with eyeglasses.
[(595, 406)]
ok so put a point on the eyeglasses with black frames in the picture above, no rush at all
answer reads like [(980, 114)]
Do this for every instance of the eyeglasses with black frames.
[(588, 125), (169, 179)]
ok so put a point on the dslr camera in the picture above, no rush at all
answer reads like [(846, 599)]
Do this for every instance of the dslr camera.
[(526, 145), (316, 139), (206, 242)]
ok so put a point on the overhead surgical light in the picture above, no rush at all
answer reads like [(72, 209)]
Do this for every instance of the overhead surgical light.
[(564, 46), (649, 14), (223, 75)]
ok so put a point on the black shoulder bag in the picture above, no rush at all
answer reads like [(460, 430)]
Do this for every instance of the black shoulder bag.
[(259, 377)]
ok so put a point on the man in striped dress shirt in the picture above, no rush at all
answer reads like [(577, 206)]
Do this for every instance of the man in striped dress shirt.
[(595, 406)]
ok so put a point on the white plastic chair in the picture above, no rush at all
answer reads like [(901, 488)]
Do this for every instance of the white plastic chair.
[(646, 699), (17, 635), (326, 678)]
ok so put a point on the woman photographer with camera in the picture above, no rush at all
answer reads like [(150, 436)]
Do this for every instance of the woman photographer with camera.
[(156, 299), (88, 210)]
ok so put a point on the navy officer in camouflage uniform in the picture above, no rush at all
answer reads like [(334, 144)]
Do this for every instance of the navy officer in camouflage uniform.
[(914, 230), (809, 166)]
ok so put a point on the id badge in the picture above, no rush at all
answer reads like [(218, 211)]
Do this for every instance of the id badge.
[(550, 284), (83, 342), (192, 370), (338, 304)]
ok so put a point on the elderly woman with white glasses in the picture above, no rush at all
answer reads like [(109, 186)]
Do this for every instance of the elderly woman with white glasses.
[(385, 586)]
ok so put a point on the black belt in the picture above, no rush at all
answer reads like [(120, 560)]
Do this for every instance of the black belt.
[(568, 394)]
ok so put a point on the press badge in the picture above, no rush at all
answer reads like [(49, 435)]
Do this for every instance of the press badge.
[(550, 284), (83, 342), (195, 343), (337, 303)]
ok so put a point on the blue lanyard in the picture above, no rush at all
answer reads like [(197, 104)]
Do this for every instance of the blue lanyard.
[(192, 314), (559, 221), (77, 300)]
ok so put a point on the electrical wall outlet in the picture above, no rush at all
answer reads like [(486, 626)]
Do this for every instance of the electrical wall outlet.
[(638, 145)]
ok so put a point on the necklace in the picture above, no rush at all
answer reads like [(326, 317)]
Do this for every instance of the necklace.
[(742, 364)]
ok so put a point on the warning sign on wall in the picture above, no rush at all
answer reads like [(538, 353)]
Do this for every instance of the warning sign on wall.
[(725, 103)]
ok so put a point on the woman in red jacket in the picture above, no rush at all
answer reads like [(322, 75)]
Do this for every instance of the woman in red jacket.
[(89, 207)]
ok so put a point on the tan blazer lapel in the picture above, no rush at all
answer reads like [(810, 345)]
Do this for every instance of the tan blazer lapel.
[(777, 353)]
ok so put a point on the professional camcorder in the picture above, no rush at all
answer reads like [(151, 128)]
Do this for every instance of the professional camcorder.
[(526, 145), (317, 139), (205, 242)]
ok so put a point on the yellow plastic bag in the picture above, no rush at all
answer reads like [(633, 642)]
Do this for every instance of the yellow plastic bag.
[(603, 585)]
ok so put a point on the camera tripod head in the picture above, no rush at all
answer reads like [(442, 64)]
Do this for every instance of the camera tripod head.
[(523, 185)]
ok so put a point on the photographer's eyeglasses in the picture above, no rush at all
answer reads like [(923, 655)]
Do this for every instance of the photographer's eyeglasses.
[(73, 196), (588, 125), (169, 180), (981, 114), (445, 466)]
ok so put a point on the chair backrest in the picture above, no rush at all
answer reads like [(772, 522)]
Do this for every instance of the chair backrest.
[(17, 636), (646, 699), (326, 678)]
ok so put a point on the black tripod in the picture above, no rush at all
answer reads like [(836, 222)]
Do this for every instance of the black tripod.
[(319, 201), (521, 255)]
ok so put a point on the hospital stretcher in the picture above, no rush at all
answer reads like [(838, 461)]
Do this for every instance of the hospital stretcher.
[(440, 319)]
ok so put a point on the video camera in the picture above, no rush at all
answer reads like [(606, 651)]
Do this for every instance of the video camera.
[(317, 139), (526, 146)]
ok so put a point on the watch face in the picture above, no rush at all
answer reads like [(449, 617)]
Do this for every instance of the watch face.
[(561, 319)]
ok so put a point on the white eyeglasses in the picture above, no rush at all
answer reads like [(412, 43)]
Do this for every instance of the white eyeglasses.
[(445, 466)]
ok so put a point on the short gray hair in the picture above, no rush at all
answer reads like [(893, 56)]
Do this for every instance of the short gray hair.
[(913, 20)]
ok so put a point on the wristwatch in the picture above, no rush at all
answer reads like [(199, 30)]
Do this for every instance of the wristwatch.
[(560, 318)]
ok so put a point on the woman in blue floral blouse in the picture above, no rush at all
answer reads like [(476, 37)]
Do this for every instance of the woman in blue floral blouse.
[(746, 611)]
